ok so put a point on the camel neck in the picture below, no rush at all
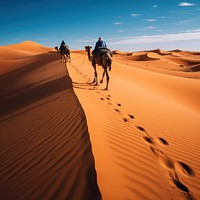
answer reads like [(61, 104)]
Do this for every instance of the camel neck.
[(89, 55)]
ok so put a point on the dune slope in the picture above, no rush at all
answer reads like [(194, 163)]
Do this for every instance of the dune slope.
[(45, 148)]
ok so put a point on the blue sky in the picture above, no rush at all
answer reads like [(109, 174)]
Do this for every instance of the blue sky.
[(127, 25)]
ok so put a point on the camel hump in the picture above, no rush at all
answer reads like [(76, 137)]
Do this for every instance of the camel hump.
[(65, 46), (104, 50)]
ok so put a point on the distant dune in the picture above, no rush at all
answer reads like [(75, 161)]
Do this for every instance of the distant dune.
[(30, 47), (64, 138)]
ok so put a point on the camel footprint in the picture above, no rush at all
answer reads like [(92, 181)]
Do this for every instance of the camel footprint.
[(107, 99), (184, 169), (176, 182), (127, 118), (162, 141), (146, 137), (163, 159)]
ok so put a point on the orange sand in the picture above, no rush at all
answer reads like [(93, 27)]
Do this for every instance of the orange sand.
[(139, 140)]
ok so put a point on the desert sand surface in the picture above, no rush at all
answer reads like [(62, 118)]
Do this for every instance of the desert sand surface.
[(64, 138)]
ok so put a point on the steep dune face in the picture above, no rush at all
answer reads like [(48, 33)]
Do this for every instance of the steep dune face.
[(45, 145)]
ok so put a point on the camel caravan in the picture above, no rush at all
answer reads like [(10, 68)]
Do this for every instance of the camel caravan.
[(101, 56)]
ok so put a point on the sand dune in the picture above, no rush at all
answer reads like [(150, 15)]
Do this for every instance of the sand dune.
[(45, 145), (144, 130), (30, 47)]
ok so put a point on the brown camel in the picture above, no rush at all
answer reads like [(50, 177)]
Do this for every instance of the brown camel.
[(65, 54), (104, 60)]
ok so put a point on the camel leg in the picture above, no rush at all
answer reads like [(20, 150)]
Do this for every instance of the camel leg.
[(68, 58), (103, 76), (95, 75), (62, 58), (107, 76), (65, 58)]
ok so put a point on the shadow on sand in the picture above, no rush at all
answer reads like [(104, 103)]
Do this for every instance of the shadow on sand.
[(13, 97)]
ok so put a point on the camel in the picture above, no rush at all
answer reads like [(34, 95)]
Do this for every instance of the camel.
[(65, 54), (104, 60)]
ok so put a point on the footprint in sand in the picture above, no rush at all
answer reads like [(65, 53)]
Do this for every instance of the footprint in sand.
[(107, 98), (140, 128), (125, 119), (131, 116), (181, 169), (175, 181), (162, 158), (117, 110), (184, 169), (162, 141), (146, 137)]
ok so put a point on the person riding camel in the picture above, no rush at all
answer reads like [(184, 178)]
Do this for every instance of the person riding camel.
[(64, 48), (99, 44), (100, 47)]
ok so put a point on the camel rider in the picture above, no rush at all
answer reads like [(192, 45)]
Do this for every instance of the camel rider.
[(100, 47), (64, 48), (99, 44)]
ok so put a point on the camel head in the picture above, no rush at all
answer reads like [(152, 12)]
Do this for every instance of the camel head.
[(88, 48), (57, 49)]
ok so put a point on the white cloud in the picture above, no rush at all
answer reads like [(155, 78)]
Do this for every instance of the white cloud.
[(146, 28), (184, 22), (135, 14), (155, 6), (158, 38), (150, 20), (192, 30), (149, 27), (185, 4), (117, 23)]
